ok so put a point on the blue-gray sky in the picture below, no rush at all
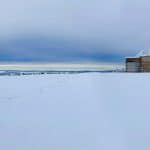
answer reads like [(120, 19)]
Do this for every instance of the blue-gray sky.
[(73, 30)]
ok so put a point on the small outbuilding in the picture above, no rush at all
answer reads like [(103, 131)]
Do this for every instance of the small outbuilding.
[(139, 63)]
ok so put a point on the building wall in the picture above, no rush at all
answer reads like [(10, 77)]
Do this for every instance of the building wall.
[(141, 64), (133, 65), (145, 64)]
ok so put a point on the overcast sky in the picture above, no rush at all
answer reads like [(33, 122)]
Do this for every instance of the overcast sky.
[(73, 30)]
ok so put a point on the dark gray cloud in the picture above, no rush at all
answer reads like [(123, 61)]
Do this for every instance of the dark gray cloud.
[(53, 49)]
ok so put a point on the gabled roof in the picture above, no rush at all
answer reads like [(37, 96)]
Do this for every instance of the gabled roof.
[(143, 53)]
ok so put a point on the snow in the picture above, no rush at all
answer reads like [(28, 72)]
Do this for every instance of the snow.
[(60, 66), (90, 111), (143, 53)]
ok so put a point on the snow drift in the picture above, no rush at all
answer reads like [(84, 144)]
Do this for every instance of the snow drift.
[(93, 111)]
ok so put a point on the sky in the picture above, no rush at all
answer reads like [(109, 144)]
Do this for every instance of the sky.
[(73, 30)]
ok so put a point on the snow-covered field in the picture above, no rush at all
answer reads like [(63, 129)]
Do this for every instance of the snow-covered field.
[(60, 67), (90, 111)]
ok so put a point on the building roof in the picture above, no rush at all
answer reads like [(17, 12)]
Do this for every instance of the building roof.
[(143, 53)]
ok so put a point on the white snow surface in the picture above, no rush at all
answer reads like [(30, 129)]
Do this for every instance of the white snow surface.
[(91, 111), (143, 53)]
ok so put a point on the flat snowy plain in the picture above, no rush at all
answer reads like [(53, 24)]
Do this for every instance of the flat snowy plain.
[(89, 111)]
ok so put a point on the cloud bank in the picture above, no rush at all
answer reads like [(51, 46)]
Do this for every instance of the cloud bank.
[(68, 30)]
